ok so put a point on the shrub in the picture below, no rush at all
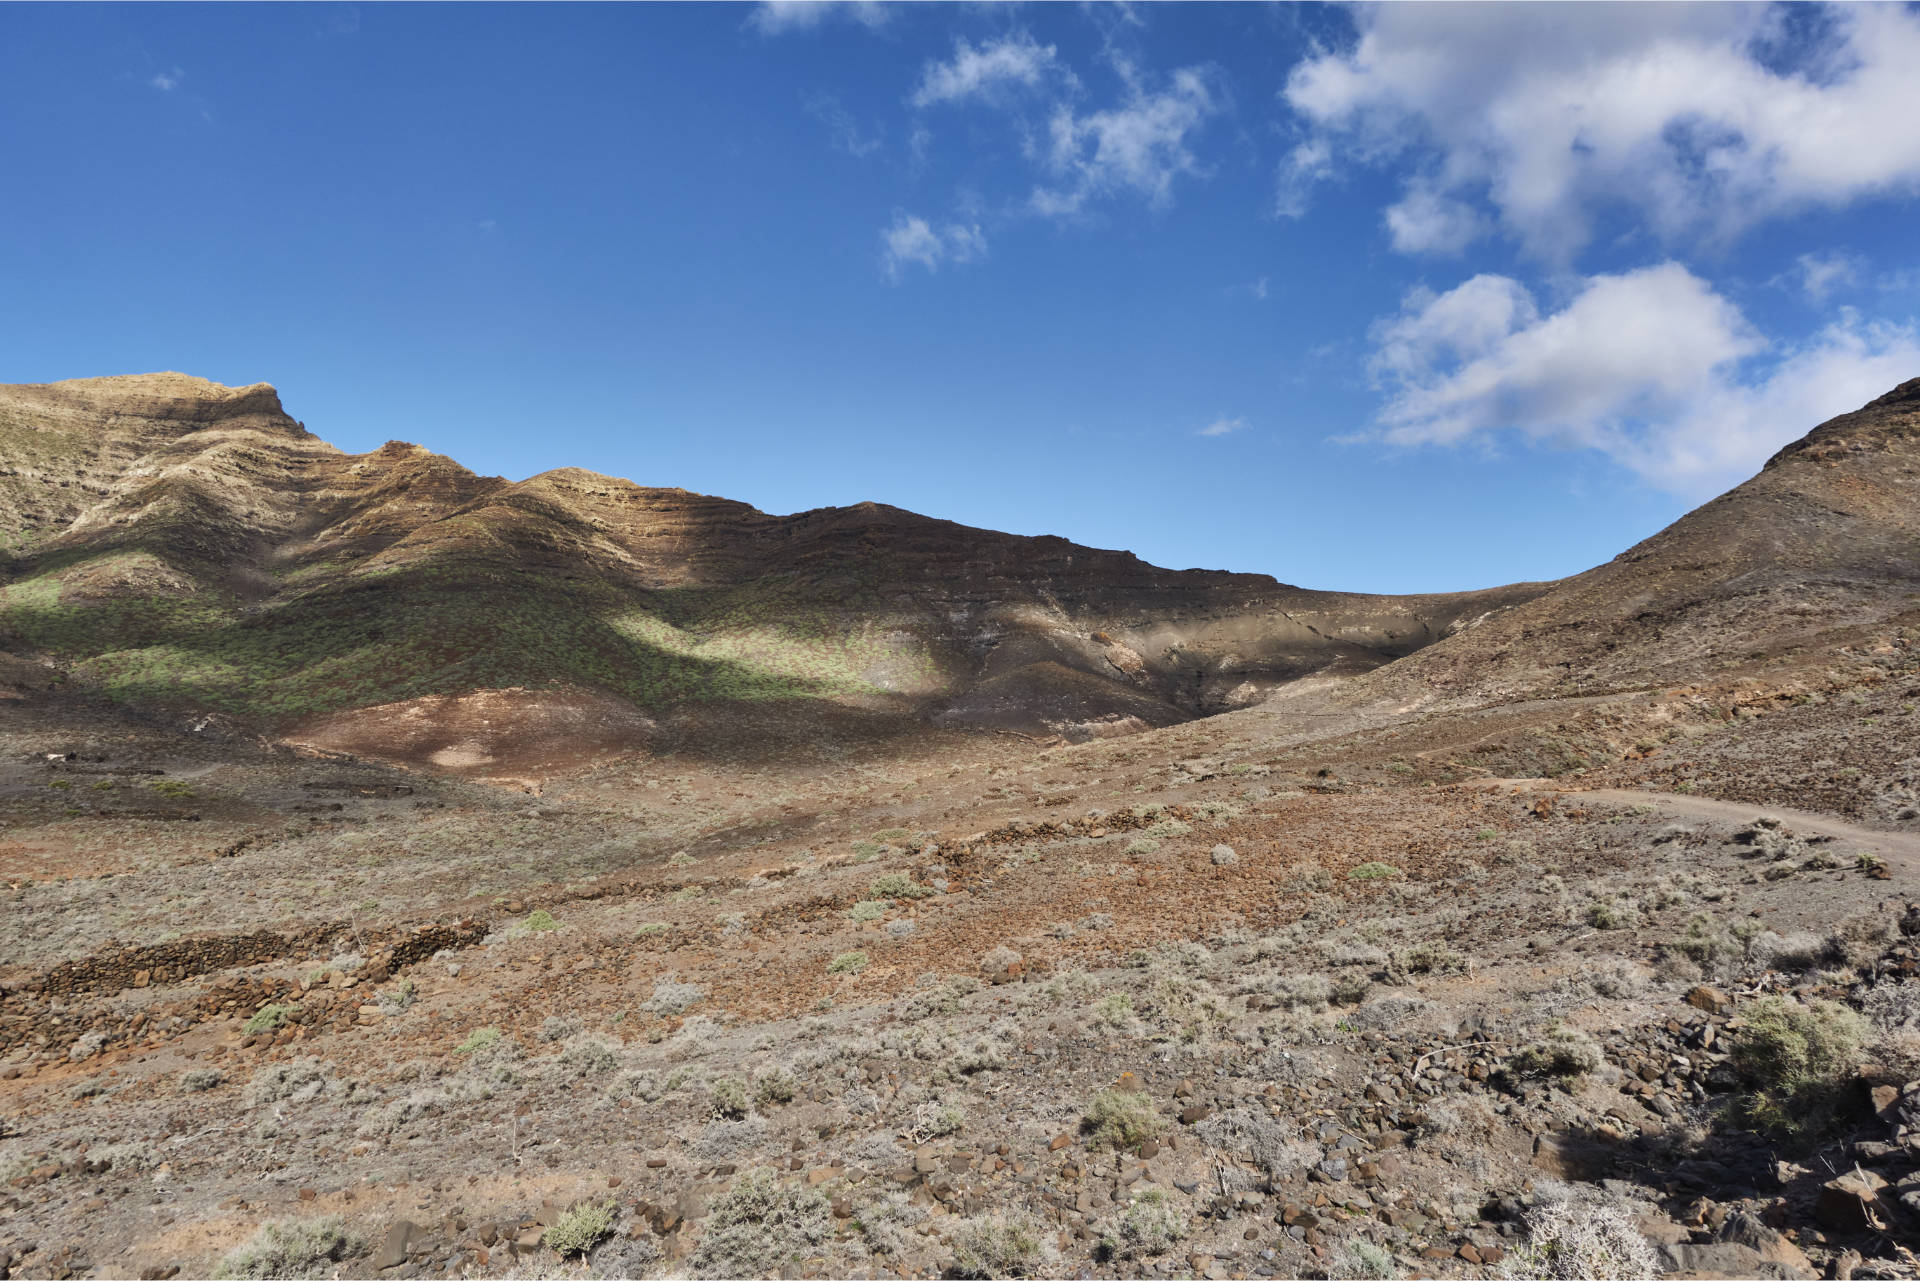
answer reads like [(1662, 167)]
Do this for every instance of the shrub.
[(587, 1056), (1429, 957), (848, 963), (1150, 1225), (579, 1229), (296, 1248), (292, 1082), (758, 1224), (1362, 1261), (1894, 1006), (1372, 872), (1563, 1052), (399, 997), (267, 1018), (539, 921), (1294, 991), (999, 959), (730, 1097), (1142, 845), (1799, 951), (558, 1027), (1610, 914), (899, 885), (936, 1120), (1704, 942), (1122, 1119), (478, 1039), (997, 1245), (1114, 1010), (867, 910), (1351, 988), (651, 928), (671, 996), (1788, 1047), (198, 1080), (1275, 1145), (775, 1086), (1591, 1240), (1223, 856)]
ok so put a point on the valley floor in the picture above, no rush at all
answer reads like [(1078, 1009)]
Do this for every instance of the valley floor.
[(1228, 999)]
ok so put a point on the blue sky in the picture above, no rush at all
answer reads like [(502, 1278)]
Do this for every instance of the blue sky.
[(1387, 299)]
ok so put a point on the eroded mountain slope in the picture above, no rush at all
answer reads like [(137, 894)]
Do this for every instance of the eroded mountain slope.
[(179, 544)]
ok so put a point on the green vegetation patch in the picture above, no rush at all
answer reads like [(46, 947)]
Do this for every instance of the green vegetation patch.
[(899, 885), (268, 1018), (848, 963), (1373, 872)]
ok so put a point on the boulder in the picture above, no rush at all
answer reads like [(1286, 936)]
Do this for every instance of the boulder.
[(393, 1246), (1742, 1228), (1851, 1203)]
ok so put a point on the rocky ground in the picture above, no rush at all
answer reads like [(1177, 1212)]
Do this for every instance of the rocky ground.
[(1203, 1002)]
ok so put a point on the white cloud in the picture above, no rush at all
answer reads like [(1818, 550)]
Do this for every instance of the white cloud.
[(168, 79), (1306, 166), (776, 17), (1822, 273), (1688, 115), (1140, 146), (1223, 427), (1010, 61), (1646, 367), (909, 240), (1427, 222)]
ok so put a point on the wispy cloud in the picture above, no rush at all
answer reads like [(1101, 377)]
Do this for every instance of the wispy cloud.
[(1820, 274), (911, 240), (1140, 146), (1012, 61), (1223, 427), (842, 128), (776, 17), (167, 80)]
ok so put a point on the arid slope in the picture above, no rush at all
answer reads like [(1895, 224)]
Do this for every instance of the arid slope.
[(186, 546)]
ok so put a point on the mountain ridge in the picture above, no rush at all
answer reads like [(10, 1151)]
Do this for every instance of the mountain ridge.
[(217, 554)]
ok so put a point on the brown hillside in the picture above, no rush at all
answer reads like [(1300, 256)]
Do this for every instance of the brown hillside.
[(181, 544)]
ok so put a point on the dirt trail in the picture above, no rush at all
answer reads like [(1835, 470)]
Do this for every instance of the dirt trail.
[(1901, 848)]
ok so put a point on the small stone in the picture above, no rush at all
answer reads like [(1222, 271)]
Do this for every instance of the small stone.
[(1198, 1112), (1710, 999), (1059, 1141)]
